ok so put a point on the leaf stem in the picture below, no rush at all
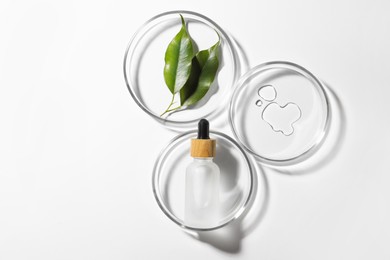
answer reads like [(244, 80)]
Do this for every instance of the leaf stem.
[(170, 104)]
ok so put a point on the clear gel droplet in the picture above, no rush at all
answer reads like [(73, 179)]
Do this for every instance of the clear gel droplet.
[(259, 103), (267, 92)]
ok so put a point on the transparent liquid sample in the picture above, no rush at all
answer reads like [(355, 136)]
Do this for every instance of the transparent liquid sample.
[(202, 193), (267, 92), (282, 118)]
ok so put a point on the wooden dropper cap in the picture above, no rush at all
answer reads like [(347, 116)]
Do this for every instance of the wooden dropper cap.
[(203, 146)]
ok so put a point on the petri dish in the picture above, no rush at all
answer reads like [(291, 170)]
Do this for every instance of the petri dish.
[(279, 112), (236, 179), (144, 63)]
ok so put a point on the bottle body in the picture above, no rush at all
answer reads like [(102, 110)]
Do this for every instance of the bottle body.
[(202, 193)]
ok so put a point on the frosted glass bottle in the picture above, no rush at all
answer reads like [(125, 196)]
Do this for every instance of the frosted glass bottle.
[(202, 182), (202, 193)]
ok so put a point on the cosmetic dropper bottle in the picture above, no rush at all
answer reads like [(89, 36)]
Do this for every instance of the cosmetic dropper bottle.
[(202, 182)]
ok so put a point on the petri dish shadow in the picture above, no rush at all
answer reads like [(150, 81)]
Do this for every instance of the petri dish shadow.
[(332, 142), (242, 66), (241, 56)]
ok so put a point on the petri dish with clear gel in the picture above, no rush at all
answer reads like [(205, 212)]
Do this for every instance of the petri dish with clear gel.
[(144, 63), (236, 179), (279, 112)]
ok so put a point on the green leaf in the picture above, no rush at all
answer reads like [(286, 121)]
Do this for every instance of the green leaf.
[(178, 59), (208, 63), (189, 88)]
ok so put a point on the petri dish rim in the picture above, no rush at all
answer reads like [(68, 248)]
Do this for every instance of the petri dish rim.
[(304, 72), (132, 45), (156, 177)]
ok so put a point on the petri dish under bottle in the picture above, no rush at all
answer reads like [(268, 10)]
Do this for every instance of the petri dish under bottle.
[(236, 181)]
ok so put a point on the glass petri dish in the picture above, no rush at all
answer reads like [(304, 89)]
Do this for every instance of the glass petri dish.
[(144, 62), (236, 179), (279, 112)]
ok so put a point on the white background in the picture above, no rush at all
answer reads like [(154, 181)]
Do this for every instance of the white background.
[(76, 162)]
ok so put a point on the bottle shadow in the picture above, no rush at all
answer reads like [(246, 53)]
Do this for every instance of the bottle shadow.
[(229, 237)]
